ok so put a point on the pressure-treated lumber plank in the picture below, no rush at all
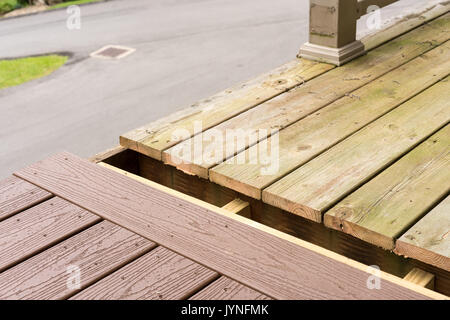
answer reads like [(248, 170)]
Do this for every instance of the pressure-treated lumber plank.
[(155, 137), (237, 206), (406, 24), (421, 278), (158, 275), (161, 132), (429, 239), (195, 155), (96, 251), (312, 135), (319, 184), (17, 195), (226, 289), (260, 257), (384, 208), (39, 227)]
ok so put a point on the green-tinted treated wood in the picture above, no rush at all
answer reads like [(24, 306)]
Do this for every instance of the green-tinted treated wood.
[(319, 184), (406, 24), (385, 207), (155, 137), (429, 239), (314, 134), (301, 101), (158, 275)]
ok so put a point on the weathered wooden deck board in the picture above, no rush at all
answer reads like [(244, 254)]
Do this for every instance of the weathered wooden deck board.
[(307, 138), (319, 184), (292, 269), (226, 289), (17, 195), (195, 155), (155, 137), (429, 239), (158, 275), (399, 27), (39, 227), (385, 207), (97, 251)]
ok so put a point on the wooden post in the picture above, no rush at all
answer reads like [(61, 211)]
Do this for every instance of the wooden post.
[(332, 32), (332, 29)]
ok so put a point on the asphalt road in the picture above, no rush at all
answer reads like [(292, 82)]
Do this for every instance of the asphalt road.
[(186, 50)]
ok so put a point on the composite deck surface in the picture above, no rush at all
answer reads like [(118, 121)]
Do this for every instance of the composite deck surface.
[(363, 148), (156, 243), (43, 238)]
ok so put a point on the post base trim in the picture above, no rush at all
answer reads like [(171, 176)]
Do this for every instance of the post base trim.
[(336, 56)]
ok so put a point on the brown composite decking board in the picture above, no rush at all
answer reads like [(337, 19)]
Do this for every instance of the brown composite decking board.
[(262, 258), (158, 275), (97, 251), (429, 239), (227, 289), (39, 227), (17, 195)]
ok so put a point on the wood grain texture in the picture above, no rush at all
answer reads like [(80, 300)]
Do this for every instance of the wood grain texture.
[(158, 275), (408, 23), (314, 134), (155, 137), (17, 195), (429, 239), (388, 205), (226, 289), (195, 155), (421, 278), (39, 227), (319, 184), (96, 251), (262, 258), (240, 207)]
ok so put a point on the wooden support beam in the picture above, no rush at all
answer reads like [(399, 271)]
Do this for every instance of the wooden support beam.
[(237, 206), (421, 278)]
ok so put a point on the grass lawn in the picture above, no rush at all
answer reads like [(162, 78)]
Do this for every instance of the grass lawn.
[(71, 3), (9, 5), (17, 71)]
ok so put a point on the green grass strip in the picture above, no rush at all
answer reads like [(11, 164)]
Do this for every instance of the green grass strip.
[(18, 71), (71, 3)]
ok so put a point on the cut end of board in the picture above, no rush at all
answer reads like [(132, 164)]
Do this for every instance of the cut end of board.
[(331, 220), (235, 185), (411, 251), (131, 143), (185, 166), (292, 207)]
